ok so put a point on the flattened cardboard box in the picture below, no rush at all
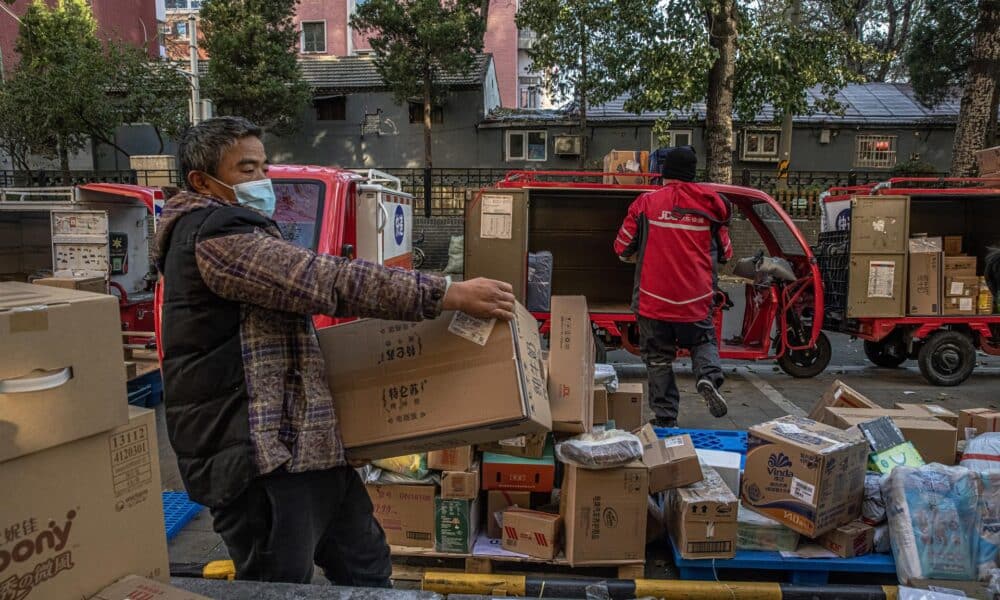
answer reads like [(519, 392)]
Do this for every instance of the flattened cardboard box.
[(61, 376), (672, 462), (840, 394), (531, 532), (406, 513), (803, 474), (571, 365), (134, 587), (934, 439), (452, 459), (625, 406), (604, 514), (703, 521), (82, 515), (408, 387)]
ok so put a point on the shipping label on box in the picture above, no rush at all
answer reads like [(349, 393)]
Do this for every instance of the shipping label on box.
[(406, 513), (977, 421), (531, 532), (959, 306), (804, 474), (604, 514), (84, 514), (404, 387), (847, 541), (877, 285), (961, 287), (61, 376), (672, 462), (452, 459), (703, 522), (625, 406), (503, 472), (497, 501), (456, 524), (571, 365), (461, 485), (959, 266)]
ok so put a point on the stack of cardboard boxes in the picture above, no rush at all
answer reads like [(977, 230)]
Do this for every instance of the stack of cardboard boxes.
[(621, 162), (942, 280), (82, 505)]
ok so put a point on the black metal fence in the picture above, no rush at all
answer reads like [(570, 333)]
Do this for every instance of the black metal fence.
[(798, 193)]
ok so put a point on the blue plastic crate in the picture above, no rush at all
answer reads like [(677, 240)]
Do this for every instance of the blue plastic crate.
[(140, 395), (800, 571), (728, 440), (149, 386), (178, 510)]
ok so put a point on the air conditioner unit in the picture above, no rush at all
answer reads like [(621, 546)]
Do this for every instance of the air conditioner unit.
[(568, 145)]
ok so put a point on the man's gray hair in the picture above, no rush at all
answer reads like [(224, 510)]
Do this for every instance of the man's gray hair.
[(202, 145)]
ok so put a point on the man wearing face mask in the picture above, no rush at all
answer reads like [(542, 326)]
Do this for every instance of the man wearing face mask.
[(248, 410)]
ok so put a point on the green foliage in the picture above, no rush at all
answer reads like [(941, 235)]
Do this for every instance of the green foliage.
[(254, 70), (69, 88), (940, 50), (416, 41), (913, 168)]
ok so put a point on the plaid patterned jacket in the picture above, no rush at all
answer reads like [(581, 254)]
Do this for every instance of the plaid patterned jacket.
[(241, 257)]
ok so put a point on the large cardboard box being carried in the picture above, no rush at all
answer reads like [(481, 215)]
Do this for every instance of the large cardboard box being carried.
[(934, 439), (406, 513), (804, 474), (604, 514), (410, 387), (703, 518), (625, 161), (840, 395), (672, 462), (61, 373), (79, 516), (571, 365), (134, 587)]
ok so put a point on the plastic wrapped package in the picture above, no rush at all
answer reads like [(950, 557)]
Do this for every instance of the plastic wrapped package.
[(376, 476), (539, 295), (982, 453), (600, 450), (907, 593), (607, 376), (456, 256), (933, 522), (989, 522), (756, 532), (413, 466), (873, 506), (883, 541)]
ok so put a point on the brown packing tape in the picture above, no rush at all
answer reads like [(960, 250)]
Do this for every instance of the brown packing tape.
[(23, 321)]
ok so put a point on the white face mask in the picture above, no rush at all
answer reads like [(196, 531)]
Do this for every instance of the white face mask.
[(258, 195)]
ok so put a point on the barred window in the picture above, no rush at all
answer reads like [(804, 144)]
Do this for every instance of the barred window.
[(875, 151)]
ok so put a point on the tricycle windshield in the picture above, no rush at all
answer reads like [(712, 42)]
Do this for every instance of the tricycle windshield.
[(779, 230), (298, 211)]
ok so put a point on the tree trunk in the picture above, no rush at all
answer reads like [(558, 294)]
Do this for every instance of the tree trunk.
[(977, 98), (719, 111), (64, 163), (428, 154), (993, 131), (583, 96)]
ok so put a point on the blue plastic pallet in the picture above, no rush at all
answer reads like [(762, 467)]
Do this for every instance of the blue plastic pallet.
[(800, 571), (178, 510), (728, 440)]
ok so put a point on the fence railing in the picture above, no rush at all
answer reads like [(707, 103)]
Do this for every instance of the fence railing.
[(798, 193)]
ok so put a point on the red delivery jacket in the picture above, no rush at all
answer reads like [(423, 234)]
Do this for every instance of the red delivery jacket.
[(673, 235)]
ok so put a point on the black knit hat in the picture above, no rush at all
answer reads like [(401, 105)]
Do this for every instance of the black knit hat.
[(680, 163)]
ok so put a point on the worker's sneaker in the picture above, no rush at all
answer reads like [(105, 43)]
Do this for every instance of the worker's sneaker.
[(716, 403), (663, 422)]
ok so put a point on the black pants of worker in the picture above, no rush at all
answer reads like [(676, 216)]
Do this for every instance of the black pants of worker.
[(287, 522), (658, 343)]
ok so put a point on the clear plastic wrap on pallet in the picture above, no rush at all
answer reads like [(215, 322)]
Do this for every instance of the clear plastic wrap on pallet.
[(989, 523), (607, 376), (413, 466), (933, 522), (908, 593), (982, 453), (882, 543), (873, 505), (600, 450), (539, 295), (756, 532)]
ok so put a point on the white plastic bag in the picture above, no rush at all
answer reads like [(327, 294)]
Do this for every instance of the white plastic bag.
[(907, 593), (873, 506), (607, 376), (982, 453), (600, 450)]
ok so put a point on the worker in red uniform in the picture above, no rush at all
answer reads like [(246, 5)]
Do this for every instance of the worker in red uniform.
[(676, 235)]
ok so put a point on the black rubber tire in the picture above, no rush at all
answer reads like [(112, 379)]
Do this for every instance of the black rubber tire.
[(804, 364), (889, 353), (947, 358)]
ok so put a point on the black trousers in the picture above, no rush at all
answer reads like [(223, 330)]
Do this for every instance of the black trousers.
[(286, 523), (658, 344)]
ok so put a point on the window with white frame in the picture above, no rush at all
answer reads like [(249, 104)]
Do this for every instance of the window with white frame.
[(760, 145), (530, 96), (875, 151), (674, 137), (527, 145), (313, 37), (183, 5)]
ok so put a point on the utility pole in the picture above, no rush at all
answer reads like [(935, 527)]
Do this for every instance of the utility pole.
[(195, 82), (787, 130)]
